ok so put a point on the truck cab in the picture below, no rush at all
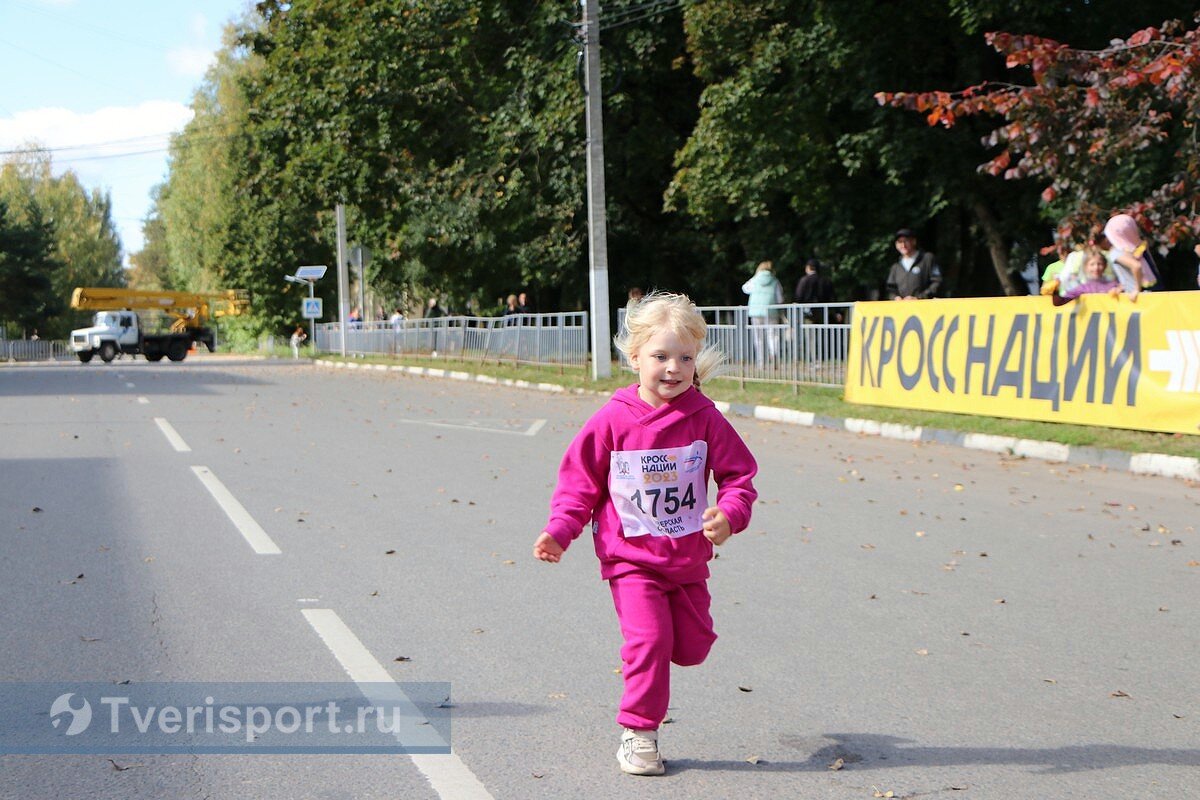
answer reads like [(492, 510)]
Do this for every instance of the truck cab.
[(111, 332)]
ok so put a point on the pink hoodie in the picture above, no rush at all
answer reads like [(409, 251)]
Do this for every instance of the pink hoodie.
[(653, 449)]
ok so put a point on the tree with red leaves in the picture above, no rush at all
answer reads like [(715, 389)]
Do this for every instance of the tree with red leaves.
[(1108, 130)]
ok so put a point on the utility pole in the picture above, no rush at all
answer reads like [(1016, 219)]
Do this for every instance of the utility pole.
[(343, 278), (597, 220)]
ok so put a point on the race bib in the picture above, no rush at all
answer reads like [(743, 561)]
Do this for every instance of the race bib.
[(660, 492)]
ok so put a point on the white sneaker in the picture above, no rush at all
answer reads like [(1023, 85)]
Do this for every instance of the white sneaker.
[(639, 753)]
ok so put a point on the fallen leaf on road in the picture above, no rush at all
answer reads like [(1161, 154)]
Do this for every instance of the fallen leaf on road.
[(389, 552), (837, 764), (888, 793), (402, 659), (922, 652), (36, 510), (753, 760), (1118, 693), (867, 546), (745, 689), (117, 767)]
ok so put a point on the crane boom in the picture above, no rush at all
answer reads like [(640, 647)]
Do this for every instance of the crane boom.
[(190, 309)]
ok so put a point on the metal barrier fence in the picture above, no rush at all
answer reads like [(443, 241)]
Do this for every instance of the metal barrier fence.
[(541, 339), (35, 350), (796, 344)]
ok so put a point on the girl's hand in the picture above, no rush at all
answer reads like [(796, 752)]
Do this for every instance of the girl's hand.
[(546, 549), (716, 526)]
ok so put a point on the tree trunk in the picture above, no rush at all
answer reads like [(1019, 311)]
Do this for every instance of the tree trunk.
[(995, 244)]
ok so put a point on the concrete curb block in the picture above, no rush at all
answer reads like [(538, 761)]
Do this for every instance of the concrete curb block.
[(1158, 464)]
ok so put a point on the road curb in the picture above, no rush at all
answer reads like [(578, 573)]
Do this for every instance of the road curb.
[(1159, 464)]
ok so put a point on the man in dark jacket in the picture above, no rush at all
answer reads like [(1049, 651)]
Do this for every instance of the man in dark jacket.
[(916, 276), (815, 288)]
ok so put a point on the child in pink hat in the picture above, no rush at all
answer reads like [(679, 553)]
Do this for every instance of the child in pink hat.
[(1127, 254)]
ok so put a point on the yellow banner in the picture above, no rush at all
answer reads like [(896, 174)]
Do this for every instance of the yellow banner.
[(1095, 361)]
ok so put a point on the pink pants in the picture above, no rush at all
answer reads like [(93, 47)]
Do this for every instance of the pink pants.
[(662, 622)]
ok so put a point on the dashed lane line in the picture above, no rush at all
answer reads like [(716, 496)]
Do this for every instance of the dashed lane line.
[(447, 774), (251, 531), (172, 435)]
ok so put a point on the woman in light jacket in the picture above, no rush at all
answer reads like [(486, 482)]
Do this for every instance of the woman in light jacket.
[(764, 291)]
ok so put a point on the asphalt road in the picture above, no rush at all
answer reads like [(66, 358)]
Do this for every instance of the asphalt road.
[(913, 619)]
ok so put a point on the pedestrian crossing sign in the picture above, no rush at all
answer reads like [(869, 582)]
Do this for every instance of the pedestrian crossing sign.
[(311, 308)]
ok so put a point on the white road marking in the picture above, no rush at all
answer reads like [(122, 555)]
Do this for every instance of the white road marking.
[(251, 531), (479, 425), (129, 385), (172, 435), (144, 401), (447, 774)]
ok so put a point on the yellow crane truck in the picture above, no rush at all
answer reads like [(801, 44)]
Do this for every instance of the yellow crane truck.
[(116, 328)]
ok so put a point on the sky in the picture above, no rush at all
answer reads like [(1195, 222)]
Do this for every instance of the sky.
[(102, 84)]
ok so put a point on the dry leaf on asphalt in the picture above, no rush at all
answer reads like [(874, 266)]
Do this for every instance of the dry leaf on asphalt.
[(837, 764)]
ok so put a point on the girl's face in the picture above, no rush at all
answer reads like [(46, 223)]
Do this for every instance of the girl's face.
[(666, 366), (1094, 268)]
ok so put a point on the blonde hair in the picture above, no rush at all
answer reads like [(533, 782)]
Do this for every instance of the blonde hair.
[(675, 312)]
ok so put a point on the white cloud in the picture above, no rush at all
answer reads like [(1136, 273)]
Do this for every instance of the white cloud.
[(118, 149), (105, 132), (190, 61), (199, 26)]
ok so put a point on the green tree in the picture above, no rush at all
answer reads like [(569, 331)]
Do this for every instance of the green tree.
[(27, 297), (150, 266), (86, 248)]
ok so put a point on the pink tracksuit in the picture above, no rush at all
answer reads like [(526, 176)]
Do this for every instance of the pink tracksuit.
[(640, 475)]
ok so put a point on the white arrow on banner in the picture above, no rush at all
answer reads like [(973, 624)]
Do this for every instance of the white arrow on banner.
[(1181, 359)]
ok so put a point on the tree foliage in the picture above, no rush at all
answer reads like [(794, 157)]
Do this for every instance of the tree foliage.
[(1104, 130), (83, 247), (735, 131)]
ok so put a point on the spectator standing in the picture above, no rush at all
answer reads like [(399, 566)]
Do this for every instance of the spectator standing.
[(814, 287), (523, 306), (298, 338), (916, 276), (764, 291), (511, 309), (396, 320)]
